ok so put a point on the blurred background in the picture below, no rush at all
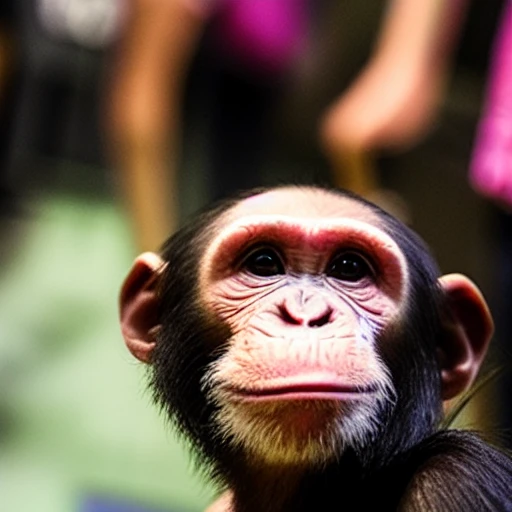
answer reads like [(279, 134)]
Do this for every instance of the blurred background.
[(120, 118)]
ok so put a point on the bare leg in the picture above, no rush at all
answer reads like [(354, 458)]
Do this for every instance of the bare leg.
[(393, 101), (144, 112)]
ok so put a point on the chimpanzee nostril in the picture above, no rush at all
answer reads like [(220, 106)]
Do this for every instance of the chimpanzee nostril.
[(287, 316), (321, 320)]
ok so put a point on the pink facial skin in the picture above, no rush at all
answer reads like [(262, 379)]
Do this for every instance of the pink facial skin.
[(312, 314), (304, 332)]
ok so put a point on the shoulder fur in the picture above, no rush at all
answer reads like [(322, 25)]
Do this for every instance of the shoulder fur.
[(459, 472)]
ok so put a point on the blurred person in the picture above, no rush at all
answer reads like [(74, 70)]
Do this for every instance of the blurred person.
[(241, 68), (50, 63), (394, 101), (256, 44)]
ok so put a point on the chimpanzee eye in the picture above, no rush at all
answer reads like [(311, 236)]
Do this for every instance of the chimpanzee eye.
[(264, 262), (349, 266)]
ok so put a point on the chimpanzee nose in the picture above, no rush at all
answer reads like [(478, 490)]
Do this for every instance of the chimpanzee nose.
[(311, 310)]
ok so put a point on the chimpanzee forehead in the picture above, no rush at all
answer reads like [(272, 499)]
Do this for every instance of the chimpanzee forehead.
[(306, 203)]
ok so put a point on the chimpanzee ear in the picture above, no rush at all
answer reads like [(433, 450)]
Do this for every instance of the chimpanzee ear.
[(139, 305), (468, 331)]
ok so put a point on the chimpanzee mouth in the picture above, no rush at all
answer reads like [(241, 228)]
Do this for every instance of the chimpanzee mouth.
[(307, 391)]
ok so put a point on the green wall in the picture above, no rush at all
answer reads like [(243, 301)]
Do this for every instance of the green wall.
[(74, 416)]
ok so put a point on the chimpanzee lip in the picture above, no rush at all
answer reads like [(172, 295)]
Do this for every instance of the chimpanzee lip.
[(307, 391)]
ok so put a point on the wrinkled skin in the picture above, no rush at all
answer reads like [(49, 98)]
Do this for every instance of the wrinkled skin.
[(305, 300)]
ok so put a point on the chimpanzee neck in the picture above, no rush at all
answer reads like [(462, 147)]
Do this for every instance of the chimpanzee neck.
[(282, 489), (269, 489)]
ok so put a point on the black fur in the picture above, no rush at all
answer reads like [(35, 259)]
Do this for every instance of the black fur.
[(412, 465)]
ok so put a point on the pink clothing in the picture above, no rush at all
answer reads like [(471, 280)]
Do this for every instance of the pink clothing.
[(491, 165), (265, 34)]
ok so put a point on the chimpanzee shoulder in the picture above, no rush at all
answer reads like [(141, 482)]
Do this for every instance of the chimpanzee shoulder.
[(457, 470)]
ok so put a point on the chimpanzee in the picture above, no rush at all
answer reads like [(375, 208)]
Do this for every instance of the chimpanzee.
[(303, 341)]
